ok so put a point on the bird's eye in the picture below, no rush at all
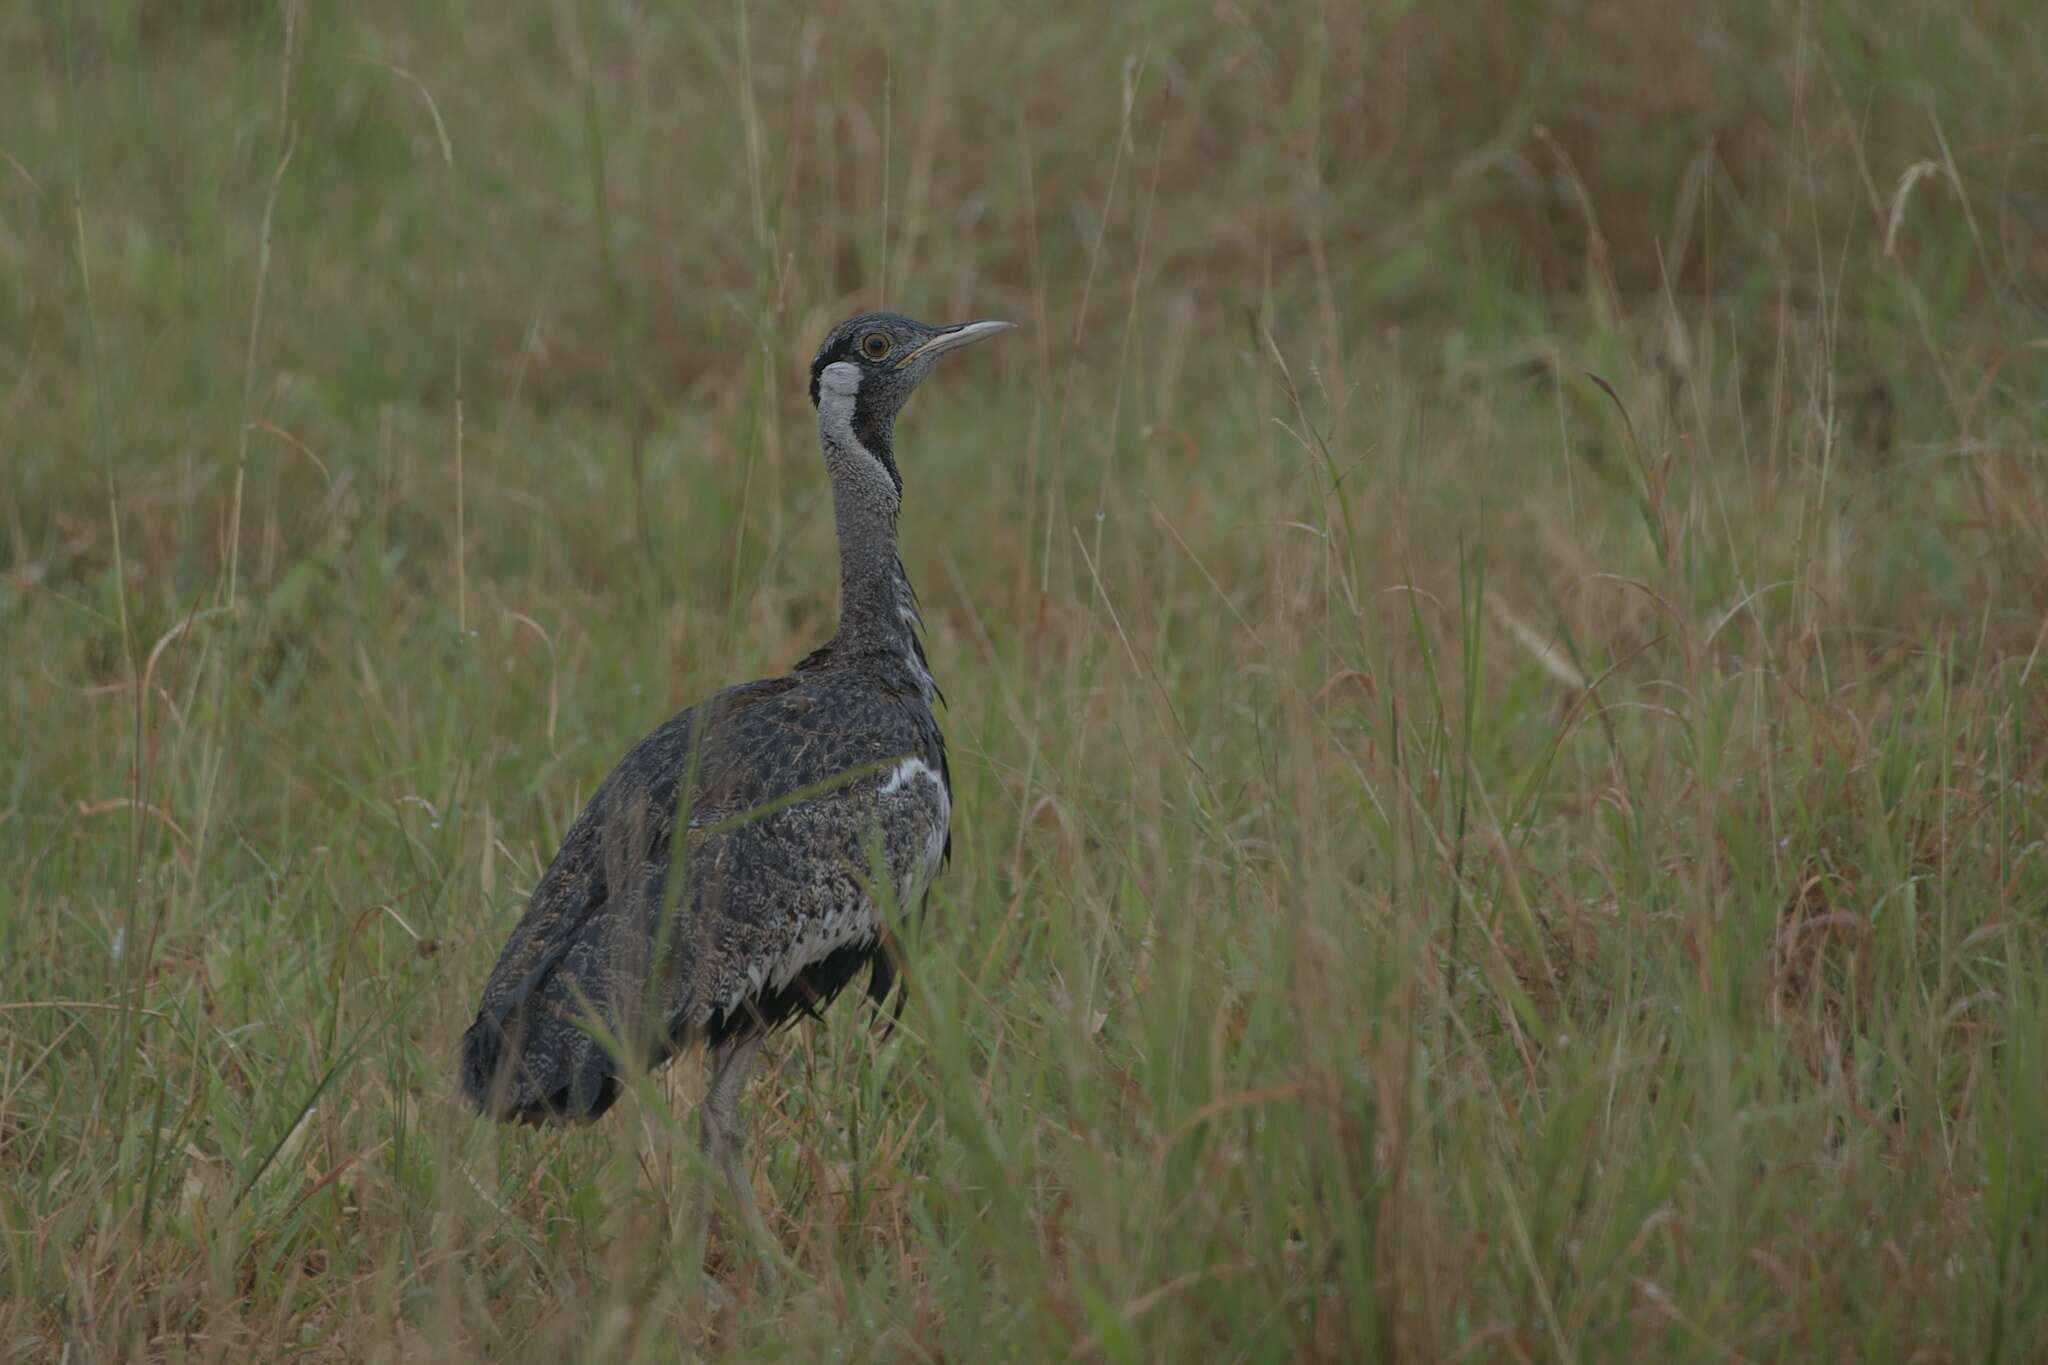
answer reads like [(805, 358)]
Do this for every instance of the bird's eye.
[(874, 345)]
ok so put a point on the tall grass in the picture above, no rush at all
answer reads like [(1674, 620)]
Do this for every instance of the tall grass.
[(1493, 621)]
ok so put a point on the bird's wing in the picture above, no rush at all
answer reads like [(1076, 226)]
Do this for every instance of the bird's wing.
[(794, 801)]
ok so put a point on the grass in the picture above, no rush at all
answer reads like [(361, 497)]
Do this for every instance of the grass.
[(1493, 619)]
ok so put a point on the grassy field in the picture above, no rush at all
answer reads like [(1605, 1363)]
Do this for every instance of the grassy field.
[(1495, 615)]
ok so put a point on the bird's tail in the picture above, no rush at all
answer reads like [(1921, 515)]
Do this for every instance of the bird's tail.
[(546, 1048), (535, 1067)]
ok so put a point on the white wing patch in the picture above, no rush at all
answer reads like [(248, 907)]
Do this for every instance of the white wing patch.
[(900, 778), (908, 770)]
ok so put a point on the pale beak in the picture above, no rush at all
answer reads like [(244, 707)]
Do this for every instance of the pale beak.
[(966, 334)]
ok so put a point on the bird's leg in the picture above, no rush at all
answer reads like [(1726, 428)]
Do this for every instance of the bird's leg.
[(725, 1152), (722, 1113), (701, 1198)]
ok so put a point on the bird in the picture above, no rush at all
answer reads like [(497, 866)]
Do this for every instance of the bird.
[(734, 872)]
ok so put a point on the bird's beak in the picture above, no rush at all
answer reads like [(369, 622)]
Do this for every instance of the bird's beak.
[(955, 337)]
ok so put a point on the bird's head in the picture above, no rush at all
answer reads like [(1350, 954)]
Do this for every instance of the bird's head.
[(871, 364)]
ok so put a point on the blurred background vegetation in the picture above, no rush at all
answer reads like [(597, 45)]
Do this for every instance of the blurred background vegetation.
[(1493, 615)]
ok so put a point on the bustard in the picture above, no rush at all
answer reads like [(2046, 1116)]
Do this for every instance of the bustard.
[(721, 882)]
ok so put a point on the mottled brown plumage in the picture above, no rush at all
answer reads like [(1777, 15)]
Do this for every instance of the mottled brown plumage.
[(733, 871)]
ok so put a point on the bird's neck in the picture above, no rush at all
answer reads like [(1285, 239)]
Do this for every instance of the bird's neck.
[(878, 615)]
